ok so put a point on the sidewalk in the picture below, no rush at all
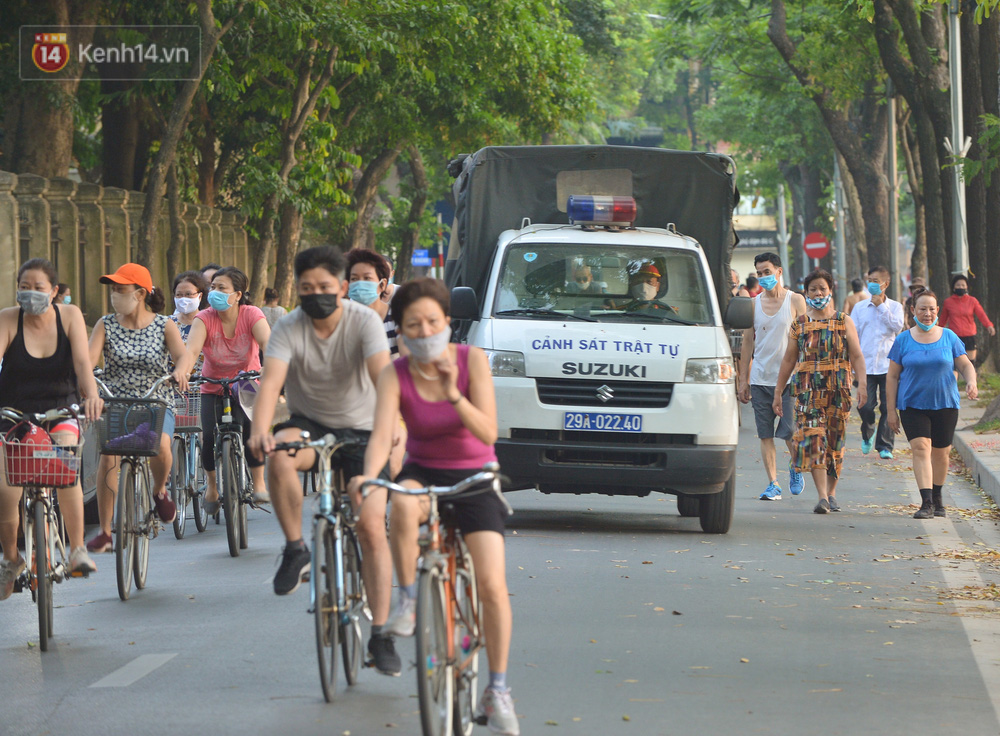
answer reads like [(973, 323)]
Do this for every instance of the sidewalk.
[(979, 452)]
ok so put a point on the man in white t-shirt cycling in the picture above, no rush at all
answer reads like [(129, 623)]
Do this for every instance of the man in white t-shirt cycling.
[(327, 354)]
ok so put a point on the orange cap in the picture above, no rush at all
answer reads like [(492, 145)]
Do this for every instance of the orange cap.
[(130, 273)]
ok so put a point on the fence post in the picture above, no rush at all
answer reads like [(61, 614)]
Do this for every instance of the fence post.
[(34, 217), (136, 201), (117, 234), (64, 243), (91, 266), (9, 234)]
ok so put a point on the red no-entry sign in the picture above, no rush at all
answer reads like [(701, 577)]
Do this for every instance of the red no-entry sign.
[(816, 245)]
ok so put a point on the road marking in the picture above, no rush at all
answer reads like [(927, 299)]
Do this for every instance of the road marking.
[(134, 670)]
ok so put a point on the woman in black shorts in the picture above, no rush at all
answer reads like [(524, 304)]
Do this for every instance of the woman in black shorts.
[(921, 383), (445, 395)]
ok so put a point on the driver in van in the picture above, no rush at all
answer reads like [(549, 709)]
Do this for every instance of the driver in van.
[(643, 288)]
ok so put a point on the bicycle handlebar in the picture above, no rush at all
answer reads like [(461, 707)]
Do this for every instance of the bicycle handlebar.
[(152, 389), (490, 474), (198, 380), (328, 440), (67, 412)]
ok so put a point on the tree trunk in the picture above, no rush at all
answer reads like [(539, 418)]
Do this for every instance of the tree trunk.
[(177, 225), (908, 142), (207, 184), (38, 123), (989, 55), (365, 191), (975, 190), (176, 125), (120, 134), (857, 263), (288, 246), (411, 238)]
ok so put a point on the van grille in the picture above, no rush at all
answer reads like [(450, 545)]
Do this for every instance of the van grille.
[(630, 394)]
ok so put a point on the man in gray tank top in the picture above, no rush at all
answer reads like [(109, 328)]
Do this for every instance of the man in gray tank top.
[(764, 346)]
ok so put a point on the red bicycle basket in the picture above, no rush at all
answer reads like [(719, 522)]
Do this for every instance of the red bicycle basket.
[(32, 459)]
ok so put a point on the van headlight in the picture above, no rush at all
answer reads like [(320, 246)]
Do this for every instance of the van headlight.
[(506, 363), (709, 370)]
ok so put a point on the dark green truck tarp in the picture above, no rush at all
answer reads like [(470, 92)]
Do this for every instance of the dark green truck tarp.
[(499, 186)]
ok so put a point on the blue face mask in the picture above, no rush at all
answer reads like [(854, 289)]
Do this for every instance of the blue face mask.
[(768, 282), (67, 299), (926, 328), (818, 302), (363, 292), (218, 301), (874, 288)]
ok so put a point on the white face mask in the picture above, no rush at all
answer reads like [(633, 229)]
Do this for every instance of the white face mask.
[(644, 291), (187, 304), (426, 349), (124, 304)]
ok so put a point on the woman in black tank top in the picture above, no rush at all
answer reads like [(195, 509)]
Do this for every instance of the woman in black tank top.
[(46, 365)]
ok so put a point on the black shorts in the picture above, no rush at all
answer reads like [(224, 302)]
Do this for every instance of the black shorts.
[(483, 512), (969, 342), (938, 424), (349, 459)]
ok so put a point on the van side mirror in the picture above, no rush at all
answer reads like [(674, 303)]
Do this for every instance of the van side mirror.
[(464, 304), (739, 313)]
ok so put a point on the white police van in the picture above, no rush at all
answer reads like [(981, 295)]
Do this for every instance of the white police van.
[(612, 367)]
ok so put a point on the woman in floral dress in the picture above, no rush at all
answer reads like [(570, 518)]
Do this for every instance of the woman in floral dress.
[(822, 349)]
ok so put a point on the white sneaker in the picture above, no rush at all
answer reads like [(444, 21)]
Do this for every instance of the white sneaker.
[(496, 707), (403, 620), (8, 574), (80, 562)]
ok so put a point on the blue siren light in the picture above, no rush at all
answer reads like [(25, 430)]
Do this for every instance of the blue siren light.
[(587, 209)]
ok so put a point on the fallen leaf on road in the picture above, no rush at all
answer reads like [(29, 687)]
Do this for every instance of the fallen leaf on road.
[(646, 562), (887, 644), (677, 613), (659, 608), (830, 690), (626, 718), (551, 723), (744, 660)]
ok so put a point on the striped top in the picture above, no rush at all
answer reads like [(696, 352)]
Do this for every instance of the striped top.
[(390, 334)]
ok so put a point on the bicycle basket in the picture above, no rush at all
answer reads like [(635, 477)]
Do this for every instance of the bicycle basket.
[(131, 427), (31, 458), (187, 411)]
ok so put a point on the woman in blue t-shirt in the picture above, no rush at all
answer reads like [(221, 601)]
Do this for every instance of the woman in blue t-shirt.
[(922, 385)]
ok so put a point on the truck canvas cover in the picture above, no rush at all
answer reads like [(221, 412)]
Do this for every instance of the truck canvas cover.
[(499, 186)]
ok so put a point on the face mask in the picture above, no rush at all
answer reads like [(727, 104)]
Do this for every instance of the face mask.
[(124, 304), (426, 349), (768, 282), (34, 302), (819, 302), (926, 328), (319, 306), (218, 301), (187, 304), (644, 291), (67, 299), (874, 288), (363, 292), (960, 292)]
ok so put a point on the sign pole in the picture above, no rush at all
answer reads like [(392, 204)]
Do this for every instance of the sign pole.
[(843, 282)]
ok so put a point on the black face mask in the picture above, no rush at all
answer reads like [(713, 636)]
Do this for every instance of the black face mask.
[(319, 306), (960, 292)]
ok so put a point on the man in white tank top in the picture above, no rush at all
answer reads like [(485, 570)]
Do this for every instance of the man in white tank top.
[(764, 346)]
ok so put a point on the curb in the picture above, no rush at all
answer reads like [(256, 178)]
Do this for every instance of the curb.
[(982, 458)]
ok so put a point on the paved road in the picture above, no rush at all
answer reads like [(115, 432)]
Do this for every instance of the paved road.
[(627, 620)]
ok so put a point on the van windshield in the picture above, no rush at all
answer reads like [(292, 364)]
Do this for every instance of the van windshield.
[(622, 284)]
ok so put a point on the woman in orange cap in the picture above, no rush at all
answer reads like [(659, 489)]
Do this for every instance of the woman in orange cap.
[(137, 344)]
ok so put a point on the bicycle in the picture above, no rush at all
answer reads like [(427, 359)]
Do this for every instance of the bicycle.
[(449, 635), (235, 483), (336, 592), (187, 481), (39, 465), (130, 429)]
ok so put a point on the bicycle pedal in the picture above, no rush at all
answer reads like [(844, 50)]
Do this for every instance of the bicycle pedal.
[(480, 720), (80, 574), (18, 585)]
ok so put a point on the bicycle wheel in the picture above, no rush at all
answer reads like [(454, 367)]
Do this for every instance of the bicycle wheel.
[(225, 465), (246, 494), (468, 641), (43, 583), (143, 523), (124, 528), (354, 597), (198, 485), (179, 485), (323, 584), (435, 681)]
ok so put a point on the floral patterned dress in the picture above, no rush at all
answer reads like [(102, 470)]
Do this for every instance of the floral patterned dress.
[(821, 385), (135, 359)]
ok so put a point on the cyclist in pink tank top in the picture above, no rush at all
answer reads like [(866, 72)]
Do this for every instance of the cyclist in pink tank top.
[(445, 395)]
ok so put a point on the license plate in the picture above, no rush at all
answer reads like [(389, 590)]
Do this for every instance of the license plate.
[(588, 421)]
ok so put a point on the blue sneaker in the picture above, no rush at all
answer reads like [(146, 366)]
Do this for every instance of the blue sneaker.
[(886, 454), (772, 492), (795, 480), (866, 445)]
